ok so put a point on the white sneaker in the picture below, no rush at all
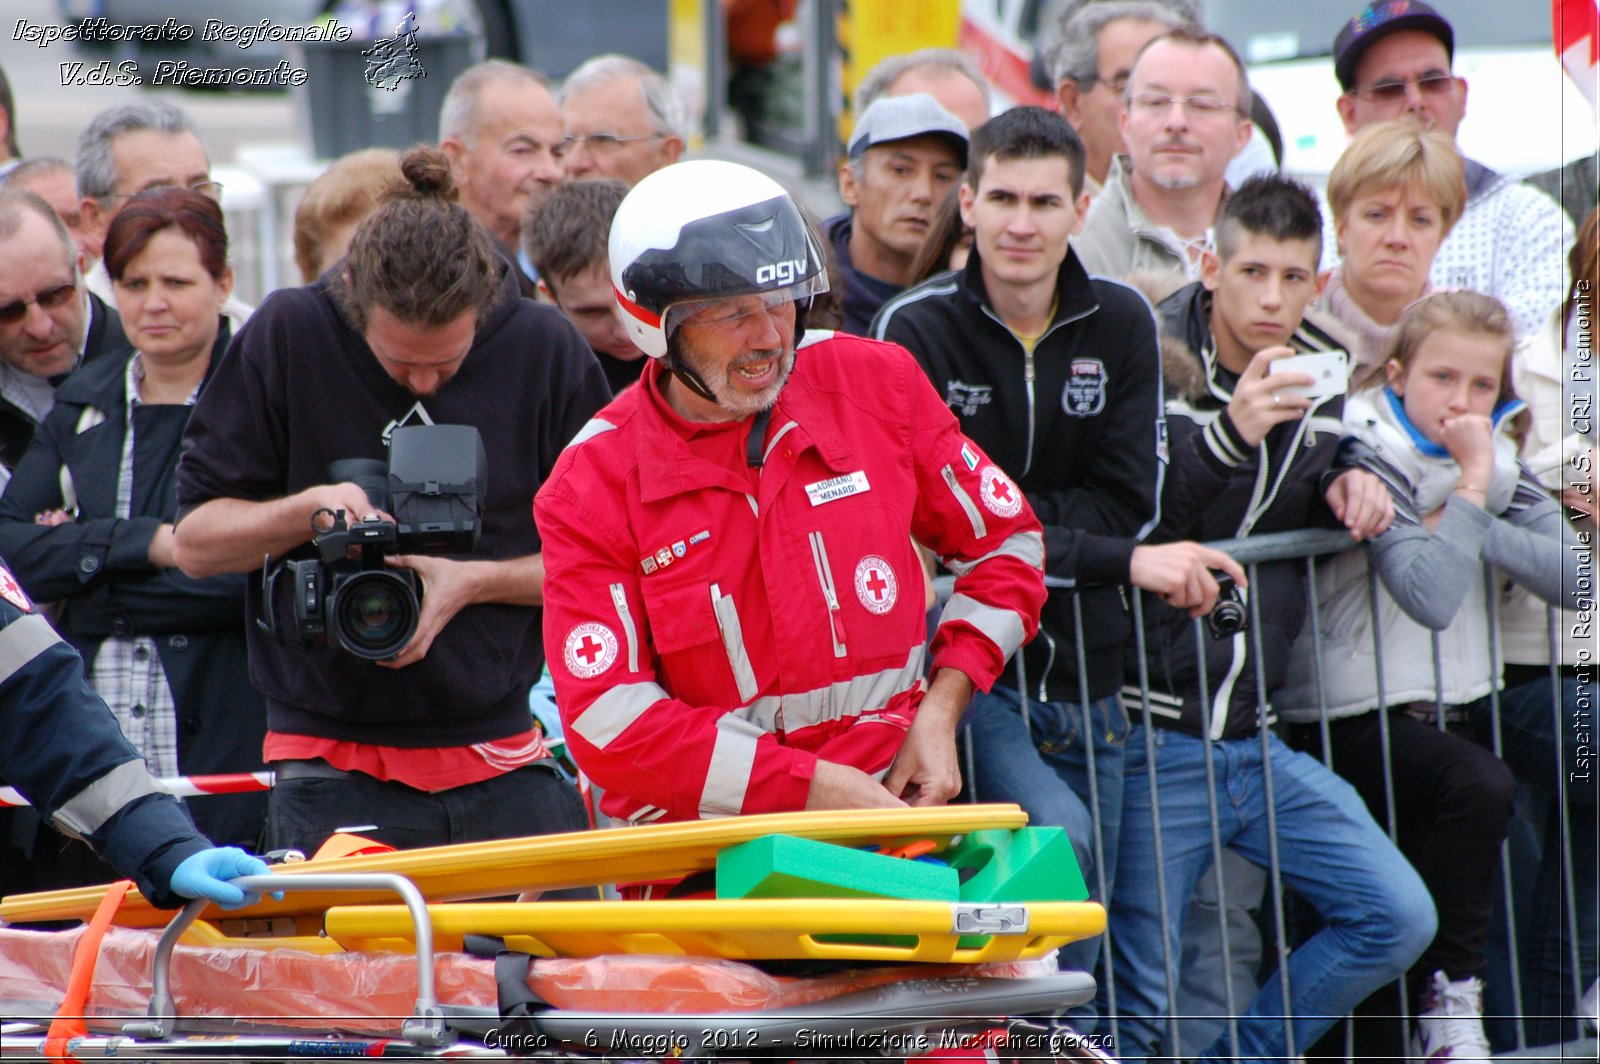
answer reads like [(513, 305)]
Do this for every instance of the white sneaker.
[(1450, 1023)]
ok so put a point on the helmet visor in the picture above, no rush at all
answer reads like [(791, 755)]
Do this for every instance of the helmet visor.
[(733, 312)]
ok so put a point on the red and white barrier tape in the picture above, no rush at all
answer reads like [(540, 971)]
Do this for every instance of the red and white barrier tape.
[(185, 786)]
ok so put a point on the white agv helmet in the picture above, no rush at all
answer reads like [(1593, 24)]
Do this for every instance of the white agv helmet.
[(704, 230)]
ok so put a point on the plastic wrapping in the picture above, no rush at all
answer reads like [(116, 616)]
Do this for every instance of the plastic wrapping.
[(368, 993)]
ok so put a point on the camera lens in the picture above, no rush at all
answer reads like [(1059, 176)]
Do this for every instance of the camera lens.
[(375, 614)]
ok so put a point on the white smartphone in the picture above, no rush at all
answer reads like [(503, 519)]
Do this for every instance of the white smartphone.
[(1329, 370)]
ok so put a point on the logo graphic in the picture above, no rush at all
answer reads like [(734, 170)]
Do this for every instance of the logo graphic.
[(417, 415), (1000, 496), (392, 60), (663, 557), (649, 564), (679, 548), (965, 398), (969, 456), (875, 584), (786, 272), (590, 650), (12, 591), (1085, 393)]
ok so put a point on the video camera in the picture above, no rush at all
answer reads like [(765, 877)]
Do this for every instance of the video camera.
[(434, 484)]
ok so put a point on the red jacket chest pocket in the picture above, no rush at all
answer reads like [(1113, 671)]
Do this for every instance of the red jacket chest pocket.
[(698, 637)]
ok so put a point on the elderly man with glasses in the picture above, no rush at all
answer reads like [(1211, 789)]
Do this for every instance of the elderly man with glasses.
[(1393, 62), (49, 324), (623, 121), (1185, 118), (129, 149)]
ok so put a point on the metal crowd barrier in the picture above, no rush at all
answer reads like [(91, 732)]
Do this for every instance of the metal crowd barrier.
[(1310, 546)]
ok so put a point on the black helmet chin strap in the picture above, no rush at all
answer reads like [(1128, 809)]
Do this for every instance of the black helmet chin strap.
[(689, 377), (693, 381)]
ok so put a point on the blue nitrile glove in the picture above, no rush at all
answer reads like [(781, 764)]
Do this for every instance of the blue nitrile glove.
[(205, 875)]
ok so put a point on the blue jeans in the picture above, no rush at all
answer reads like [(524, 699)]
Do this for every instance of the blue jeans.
[(1530, 721), (1379, 916), (1043, 766)]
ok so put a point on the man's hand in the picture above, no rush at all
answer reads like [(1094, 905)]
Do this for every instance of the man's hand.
[(836, 786), (1362, 503), (163, 547), (448, 587), (1180, 573), (1259, 402), (926, 770), (232, 535)]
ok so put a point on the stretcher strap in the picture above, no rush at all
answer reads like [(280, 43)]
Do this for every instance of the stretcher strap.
[(344, 844), (519, 1005), (69, 1022)]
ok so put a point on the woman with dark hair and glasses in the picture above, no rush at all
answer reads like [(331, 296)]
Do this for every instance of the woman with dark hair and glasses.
[(86, 521)]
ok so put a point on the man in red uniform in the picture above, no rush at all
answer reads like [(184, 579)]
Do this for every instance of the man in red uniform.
[(733, 602)]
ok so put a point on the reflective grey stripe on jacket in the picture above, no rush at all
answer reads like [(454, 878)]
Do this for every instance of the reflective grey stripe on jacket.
[(845, 698), (611, 714), (85, 812), (594, 428), (1003, 627), (1026, 547), (732, 759), (23, 640)]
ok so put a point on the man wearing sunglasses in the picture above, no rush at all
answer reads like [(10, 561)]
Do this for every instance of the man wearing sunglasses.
[(623, 121), (1393, 62), (48, 323)]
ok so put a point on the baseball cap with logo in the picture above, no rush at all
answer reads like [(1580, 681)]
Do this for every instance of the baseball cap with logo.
[(892, 118), (1376, 21)]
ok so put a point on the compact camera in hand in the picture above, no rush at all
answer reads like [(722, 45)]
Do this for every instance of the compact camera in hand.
[(1230, 615), (348, 596)]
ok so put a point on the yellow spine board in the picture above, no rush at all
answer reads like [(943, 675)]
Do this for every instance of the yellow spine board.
[(746, 929), (551, 862)]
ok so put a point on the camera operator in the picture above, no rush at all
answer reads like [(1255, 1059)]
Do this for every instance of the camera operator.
[(421, 325)]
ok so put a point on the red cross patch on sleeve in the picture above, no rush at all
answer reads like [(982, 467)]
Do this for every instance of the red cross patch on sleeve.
[(1000, 496), (12, 591)]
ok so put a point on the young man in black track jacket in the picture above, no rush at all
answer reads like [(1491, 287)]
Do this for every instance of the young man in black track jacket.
[(1057, 376)]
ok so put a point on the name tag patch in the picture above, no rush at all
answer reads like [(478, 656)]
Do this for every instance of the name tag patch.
[(837, 487)]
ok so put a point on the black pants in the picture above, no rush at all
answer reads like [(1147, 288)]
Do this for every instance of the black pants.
[(1453, 800), (533, 800)]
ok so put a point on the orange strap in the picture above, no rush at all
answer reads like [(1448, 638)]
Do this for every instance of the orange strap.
[(344, 844), (911, 850), (69, 1018)]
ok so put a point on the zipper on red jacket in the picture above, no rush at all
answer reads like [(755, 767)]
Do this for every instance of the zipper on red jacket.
[(819, 555)]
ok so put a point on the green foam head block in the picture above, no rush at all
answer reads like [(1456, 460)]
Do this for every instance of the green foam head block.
[(782, 866), (1027, 864)]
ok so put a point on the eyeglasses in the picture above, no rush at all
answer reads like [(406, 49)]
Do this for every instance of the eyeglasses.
[(49, 299), (208, 188), (1393, 90), (728, 312), (1157, 104), (600, 143), (1118, 84)]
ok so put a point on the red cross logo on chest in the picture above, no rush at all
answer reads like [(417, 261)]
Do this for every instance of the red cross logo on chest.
[(875, 584)]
